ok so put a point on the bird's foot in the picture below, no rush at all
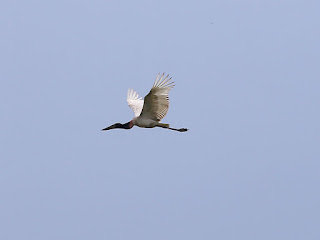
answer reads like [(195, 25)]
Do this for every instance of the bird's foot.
[(183, 129)]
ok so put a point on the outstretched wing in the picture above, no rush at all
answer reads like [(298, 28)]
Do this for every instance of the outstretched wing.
[(156, 103), (134, 102)]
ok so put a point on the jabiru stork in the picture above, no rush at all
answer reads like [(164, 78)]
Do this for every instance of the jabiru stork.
[(149, 112)]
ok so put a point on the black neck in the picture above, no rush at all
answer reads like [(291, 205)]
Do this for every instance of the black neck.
[(125, 126)]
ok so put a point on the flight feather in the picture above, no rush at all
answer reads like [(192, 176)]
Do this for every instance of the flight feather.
[(135, 102), (156, 103)]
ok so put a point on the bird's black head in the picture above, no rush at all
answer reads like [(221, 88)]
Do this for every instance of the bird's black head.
[(127, 125)]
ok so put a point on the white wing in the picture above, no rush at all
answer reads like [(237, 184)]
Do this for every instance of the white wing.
[(134, 102), (156, 103)]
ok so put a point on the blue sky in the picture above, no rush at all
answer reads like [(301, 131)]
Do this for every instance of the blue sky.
[(247, 85)]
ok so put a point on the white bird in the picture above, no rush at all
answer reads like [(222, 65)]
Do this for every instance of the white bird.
[(149, 112)]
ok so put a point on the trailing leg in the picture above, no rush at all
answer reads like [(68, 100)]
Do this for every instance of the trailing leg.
[(167, 126)]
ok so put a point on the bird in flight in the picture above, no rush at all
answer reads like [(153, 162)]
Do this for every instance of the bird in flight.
[(149, 112)]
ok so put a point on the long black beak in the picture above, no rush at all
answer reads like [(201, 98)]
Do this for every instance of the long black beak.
[(118, 125), (111, 127)]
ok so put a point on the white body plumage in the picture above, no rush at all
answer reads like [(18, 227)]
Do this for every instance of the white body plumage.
[(144, 122)]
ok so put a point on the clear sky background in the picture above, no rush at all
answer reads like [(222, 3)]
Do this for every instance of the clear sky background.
[(247, 85)]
